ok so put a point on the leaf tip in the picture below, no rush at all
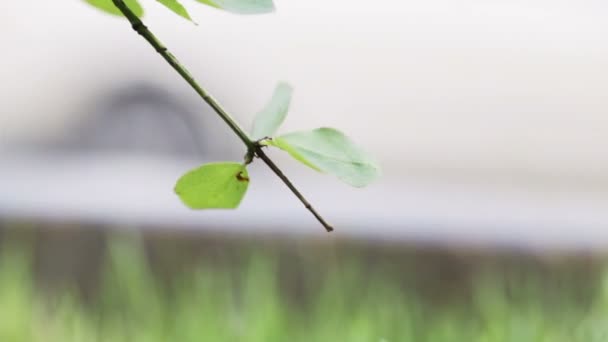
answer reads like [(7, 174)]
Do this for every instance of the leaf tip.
[(285, 85)]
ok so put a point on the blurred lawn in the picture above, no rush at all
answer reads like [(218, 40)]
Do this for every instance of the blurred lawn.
[(211, 303)]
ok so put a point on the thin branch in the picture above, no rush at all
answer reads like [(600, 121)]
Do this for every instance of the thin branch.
[(281, 175), (252, 147), (140, 28)]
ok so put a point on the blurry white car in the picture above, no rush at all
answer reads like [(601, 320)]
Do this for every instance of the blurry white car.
[(488, 117)]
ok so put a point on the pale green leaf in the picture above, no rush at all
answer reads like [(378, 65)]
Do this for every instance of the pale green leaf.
[(284, 145), (269, 119), (109, 7), (215, 185), (176, 7), (329, 150), (242, 6)]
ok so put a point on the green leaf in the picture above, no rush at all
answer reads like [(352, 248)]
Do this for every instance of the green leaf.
[(242, 6), (176, 7), (215, 185), (269, 119), (108, 6), (329, 150)]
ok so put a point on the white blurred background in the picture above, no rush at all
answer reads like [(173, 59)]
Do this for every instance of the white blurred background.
[(488, 117)]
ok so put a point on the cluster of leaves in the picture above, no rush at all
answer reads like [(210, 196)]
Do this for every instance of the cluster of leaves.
[(223, 185), (234, 6)]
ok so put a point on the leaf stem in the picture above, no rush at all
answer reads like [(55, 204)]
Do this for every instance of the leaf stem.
[(253, 148)]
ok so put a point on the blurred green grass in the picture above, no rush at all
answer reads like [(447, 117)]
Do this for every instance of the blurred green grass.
[(211, 303)]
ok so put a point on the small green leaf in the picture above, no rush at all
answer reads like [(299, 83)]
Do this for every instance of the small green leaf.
[(329, 150), (176, 7), (269, 119), (241, 6), (215, 185), (108, 6)]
